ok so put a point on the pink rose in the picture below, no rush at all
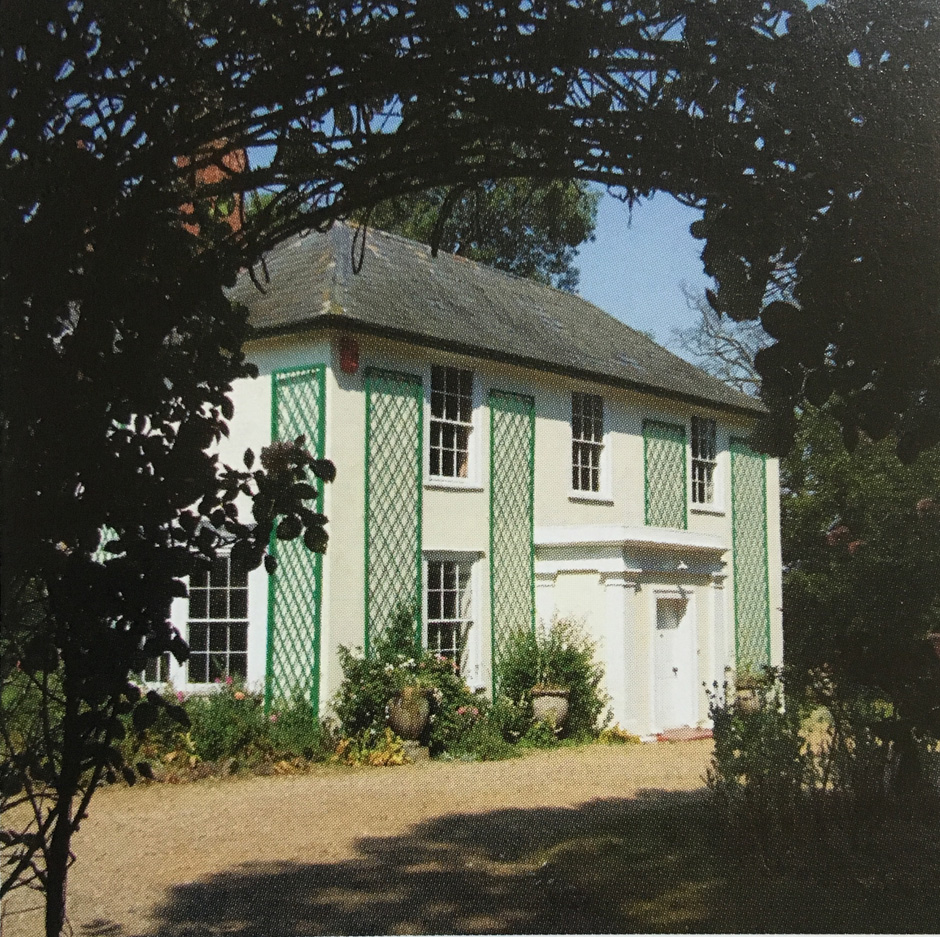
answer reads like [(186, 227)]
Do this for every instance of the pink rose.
[(229, 681), (180, 695), (273, 717)]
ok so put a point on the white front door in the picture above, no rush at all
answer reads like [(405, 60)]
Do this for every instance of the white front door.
[(674, 664)]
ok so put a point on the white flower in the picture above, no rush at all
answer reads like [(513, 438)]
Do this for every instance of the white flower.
[(389, 668)]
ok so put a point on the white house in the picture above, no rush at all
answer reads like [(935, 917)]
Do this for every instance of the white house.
[(504, 452)]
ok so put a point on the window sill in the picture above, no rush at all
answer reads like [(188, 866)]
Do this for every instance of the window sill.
[(707, 509), (452, 484), (590, 497)]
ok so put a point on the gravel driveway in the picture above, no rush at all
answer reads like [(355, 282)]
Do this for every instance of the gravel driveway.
[(432, 847)]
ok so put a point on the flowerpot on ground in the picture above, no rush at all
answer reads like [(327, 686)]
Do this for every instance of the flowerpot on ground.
[(408, 713), (550, 704)]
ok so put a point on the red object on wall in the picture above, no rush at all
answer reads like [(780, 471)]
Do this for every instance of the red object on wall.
[(348, 355)]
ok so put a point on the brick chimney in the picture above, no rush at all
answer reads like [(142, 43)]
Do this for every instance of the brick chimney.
[(233, 162)]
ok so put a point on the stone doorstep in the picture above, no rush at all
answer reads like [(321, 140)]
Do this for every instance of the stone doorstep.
[(682, 734)]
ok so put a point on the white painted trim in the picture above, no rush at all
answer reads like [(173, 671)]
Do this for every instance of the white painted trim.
[(691, 613), (591, 497), (599, 534)]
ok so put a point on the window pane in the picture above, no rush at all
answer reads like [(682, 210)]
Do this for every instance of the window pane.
[(434, 605), (450, 407), (199, 579), (218, 637), (197, 671), (435, 461), (219, 574), (466, 409), (238, 603), (437, 403), (449, 571), (466, 383), (198, 637), (238, 665), (198, 603), (216, 667), (218, 603), (449, 603), (238, 637)]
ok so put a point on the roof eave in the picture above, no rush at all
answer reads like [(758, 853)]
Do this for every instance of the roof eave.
[(324, 321)]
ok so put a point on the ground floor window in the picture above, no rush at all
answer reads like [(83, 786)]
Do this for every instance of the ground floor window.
[(157, 669), (218, 622), (449, 605)]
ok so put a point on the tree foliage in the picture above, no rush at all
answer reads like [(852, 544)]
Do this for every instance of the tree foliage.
[(861, 551), (517, 225)]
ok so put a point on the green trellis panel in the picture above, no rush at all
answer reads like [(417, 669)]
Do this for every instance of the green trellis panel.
[(295, 590), (749, 544), (394, 465), (665, 470), (512, 490)]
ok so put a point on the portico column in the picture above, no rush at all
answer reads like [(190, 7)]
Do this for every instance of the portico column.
[(620, 647), (722, 643)]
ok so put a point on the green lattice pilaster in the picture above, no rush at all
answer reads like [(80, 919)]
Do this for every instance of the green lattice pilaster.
[(394, 461), (749, 544), (512, 489), (665, 474), (295, 589)]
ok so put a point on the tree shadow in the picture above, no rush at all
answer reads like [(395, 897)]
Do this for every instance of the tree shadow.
[(644, 864)]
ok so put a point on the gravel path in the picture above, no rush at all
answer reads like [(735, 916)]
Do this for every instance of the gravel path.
[(432, 847)]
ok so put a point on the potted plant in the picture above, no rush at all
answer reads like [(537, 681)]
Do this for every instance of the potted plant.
[(409, 710), (747, 691), (549, 695)]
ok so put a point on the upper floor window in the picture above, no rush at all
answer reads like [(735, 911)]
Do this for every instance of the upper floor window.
[(451, 421), (218, 622), (587, 441), (449, 609), (703, 460)]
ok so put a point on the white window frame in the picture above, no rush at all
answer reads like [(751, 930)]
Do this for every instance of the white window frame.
[(208, 621), (604, 494), (717, 504), (472, 670), (473, 478)]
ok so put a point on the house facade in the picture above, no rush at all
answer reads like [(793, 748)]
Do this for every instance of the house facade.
[(505, 453)]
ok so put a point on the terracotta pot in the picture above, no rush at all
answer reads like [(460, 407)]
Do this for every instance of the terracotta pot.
[(550, 704), (408, 713)]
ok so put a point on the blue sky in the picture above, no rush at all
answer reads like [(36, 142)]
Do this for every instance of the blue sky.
[(635, 267)]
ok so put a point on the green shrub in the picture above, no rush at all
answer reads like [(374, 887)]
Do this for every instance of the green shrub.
[(560, 655), (396, 662), (762, 767), (293, 731), (228, 723)]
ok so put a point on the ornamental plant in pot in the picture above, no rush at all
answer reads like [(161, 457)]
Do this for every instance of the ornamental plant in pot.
[(408, 712)]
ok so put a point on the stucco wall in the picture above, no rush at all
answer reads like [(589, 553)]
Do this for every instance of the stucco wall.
[(615, 601)]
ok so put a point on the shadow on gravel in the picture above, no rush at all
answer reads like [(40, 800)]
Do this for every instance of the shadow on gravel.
[(646, 864)]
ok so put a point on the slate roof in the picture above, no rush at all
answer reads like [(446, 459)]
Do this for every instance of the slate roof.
[(449, 302)]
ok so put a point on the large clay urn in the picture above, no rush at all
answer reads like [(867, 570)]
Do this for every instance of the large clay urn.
[(408, 713), (550, 704)]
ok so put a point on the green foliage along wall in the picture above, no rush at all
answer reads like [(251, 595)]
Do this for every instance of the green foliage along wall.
[(295, 589), (394, 467), (512, 485), (665, 474), (749, 544)]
